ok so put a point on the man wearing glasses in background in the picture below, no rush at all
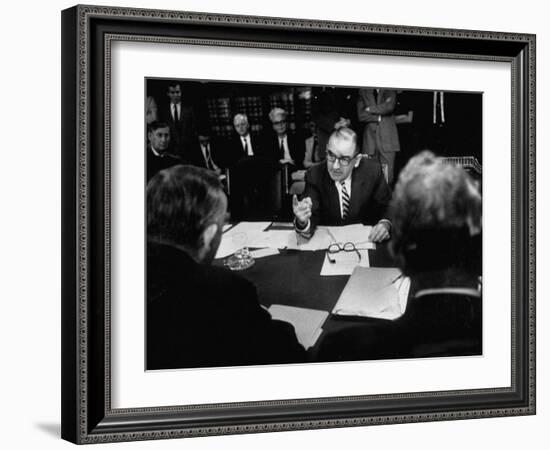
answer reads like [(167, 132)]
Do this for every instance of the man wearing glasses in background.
[(347, 189)]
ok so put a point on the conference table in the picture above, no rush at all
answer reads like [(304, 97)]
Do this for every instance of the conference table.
[(292, 277)]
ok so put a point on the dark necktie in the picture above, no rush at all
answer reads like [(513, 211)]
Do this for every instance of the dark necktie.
[(375, 93), (176, 117), (345, 201), (245, 147), (281, 149)]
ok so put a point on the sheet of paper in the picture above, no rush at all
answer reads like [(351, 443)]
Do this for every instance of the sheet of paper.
[(241, 235), (319, 241), (344, 263), (374, 292), (263, 252), (227, 247), (307, 322), (252, 234), (231, 242), (356, 233), (272, 239), (249, 227)]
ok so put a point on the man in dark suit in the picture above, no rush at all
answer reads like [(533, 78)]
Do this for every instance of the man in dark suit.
[(208, 152), (199, 315), (158, 149), (380, 137), (251, 173), (180, 118), (282, 146), (243, 144), (287, 152), (345, 190)]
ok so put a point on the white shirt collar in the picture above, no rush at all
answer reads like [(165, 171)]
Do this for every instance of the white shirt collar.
[(347, 183)]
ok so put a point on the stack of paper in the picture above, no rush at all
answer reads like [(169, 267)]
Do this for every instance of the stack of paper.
[(374, 292), (356, 233), (241, 235), (272, 239), (307, 322), (319, 241), (282, 235), (344, 263)]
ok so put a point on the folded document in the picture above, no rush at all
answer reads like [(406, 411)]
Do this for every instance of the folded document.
[(374, 292), (307, 322)]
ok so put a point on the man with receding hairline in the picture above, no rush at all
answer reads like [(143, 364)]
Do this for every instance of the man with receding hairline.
[(250, 173), (347, 189)]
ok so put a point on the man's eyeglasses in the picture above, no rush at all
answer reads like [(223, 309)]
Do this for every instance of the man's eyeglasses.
[(343, 160), (339, 247)]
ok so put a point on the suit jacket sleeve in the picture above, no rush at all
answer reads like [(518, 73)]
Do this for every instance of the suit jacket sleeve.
[(387, 106), (362, 103), (381, 199), (313, 191)]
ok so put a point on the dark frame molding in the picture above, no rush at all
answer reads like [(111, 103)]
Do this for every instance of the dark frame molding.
[(87, 33)]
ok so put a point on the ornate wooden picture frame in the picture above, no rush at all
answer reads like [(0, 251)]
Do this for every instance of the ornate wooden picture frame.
[(88, 415)]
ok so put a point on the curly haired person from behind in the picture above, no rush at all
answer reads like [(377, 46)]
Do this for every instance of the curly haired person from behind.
[(199, 315), (436, 218), (436, 213)]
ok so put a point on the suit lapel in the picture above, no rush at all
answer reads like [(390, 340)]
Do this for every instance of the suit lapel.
[(381, 98), (371, 98), (333, 200), (357, 192)]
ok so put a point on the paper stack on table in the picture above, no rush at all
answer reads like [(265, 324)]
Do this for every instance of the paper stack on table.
[(307, 322), (278, 236), (240, 235), (344, 263), (374, 292), (356, 233)]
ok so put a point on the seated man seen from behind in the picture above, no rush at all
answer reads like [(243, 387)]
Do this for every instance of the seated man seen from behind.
[(344, 190), (199, 315), (436, 219), (436, 214)]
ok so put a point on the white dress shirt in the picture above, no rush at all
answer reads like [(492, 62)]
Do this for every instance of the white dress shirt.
[(249, 149), (176, 107), (284, 141)]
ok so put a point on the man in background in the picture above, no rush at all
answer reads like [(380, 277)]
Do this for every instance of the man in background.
[(180, 118), (251, 174), (375, 109), (159, 154)]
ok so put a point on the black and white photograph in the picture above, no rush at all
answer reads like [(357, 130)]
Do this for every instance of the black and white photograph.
[(280, 224), (298, 224)]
